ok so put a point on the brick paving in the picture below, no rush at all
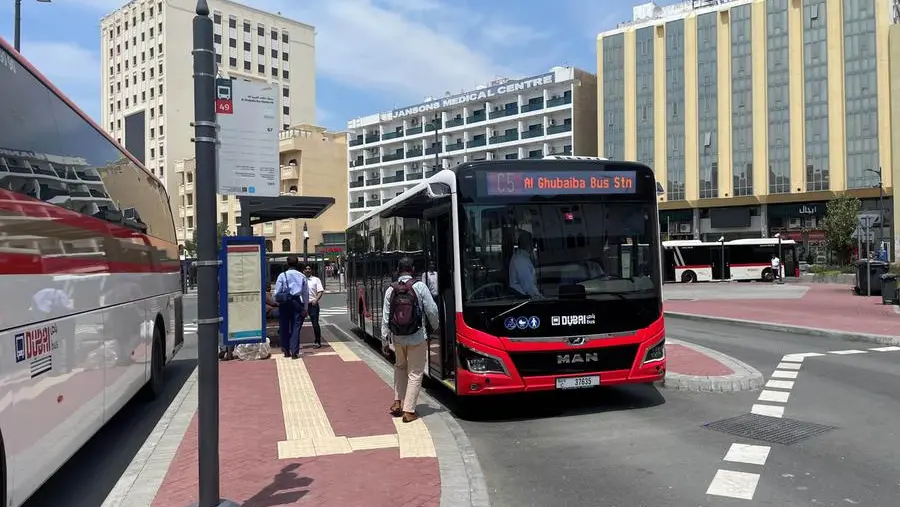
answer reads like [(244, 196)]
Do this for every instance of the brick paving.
[(824, 306), (252, 423), (687, 361)]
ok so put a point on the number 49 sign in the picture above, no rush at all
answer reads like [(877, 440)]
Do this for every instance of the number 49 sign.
[(224, 104)]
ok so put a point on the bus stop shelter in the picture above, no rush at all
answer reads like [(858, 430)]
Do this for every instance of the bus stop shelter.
[(261, 210)]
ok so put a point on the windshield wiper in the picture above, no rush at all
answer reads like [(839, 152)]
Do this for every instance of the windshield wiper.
[(506, 312)]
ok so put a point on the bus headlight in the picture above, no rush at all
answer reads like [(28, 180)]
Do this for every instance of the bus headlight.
[(656, 352), (478, 362)]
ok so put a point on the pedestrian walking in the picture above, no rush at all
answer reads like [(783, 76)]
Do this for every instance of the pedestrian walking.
[(407, 303), (316, 289), (292, 296)]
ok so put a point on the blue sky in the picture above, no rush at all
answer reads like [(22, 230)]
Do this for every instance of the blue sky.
[(371, 55)]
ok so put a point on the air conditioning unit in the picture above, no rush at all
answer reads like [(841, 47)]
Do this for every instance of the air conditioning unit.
[(794, 223), (684, 228)]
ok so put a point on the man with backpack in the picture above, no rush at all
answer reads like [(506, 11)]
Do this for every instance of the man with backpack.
[(407, 302), (292, 296)]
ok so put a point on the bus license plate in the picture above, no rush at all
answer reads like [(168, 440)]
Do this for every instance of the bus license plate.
[(578, 382)]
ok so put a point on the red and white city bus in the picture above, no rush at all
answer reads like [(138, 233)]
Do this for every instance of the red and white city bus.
[(743, 260), (89, 279), (597, 318)]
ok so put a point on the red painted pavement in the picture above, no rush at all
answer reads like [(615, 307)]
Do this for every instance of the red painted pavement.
[(824, 306), (687, 361), (252, 423)]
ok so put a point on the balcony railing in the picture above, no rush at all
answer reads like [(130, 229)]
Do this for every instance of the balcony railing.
[(533, 106), (373, 160), (505, 112), (531, 133), (392, 135), (413, 131), (391, 157), (475, 118), (430, 127), (431, 173), (356, 142), (559, 101), (505, 138), (455, 122), (392, 179), (433, 150), (356, 205), (474, 143), (373, 138), (417, 152), (413, 176), (373, 181), (357, 183), (373, 202), (558, 129), (456, 146)]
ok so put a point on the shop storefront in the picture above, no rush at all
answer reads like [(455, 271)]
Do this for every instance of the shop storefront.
[(676, 224)]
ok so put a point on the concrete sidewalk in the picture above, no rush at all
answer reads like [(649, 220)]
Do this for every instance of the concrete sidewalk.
[(313, 431), (817, 308)]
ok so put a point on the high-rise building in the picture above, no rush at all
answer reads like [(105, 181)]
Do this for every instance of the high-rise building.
[(147, 84), (312, 164), (548, 114), (755, 113)]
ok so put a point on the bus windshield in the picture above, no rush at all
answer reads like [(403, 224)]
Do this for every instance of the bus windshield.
[(578, 250)]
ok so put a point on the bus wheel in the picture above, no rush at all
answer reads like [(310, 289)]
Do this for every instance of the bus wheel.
[(768, 275), (688, 277), (154, 387)]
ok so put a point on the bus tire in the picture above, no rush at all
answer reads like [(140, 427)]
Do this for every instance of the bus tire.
[(768, 275), (154, 387), (688, 277)]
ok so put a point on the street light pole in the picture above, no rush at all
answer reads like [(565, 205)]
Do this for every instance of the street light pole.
[(17, 24), (305, 243), (780, 260), (722, 241), (880, 208), (437, 140)]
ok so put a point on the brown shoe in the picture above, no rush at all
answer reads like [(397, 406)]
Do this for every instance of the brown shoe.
[(396, 410), (409, 417)]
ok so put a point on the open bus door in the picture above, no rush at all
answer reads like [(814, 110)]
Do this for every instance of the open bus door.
[(440, 250)]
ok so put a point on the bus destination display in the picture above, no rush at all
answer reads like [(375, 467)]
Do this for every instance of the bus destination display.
[(557, 183)]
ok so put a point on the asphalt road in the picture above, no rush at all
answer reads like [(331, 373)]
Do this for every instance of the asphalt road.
[(88, 477), (623, 447)]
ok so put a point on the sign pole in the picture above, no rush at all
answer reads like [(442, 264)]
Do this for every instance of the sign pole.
[(205, 141), (868, 260)]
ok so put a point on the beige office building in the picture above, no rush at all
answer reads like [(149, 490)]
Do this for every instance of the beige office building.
[(147, 84), (313, 163), (755, 113)]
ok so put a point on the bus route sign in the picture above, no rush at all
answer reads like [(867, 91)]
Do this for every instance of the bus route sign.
[(556, 183)]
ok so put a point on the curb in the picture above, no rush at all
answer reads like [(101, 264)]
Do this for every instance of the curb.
[(788, 328), (744, 378), (462, 480)]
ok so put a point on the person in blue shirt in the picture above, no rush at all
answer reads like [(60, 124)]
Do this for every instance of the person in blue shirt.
[(292, 310)]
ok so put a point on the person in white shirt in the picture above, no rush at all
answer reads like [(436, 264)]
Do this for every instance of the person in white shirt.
[(316, 289), (776, 266), (292, 296), (431, 279), (521, 268)]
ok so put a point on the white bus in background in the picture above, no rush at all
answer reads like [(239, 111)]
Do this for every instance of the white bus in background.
[(690, 261), (89, 279)]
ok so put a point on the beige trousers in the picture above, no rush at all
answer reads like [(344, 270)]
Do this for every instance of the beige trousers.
[(408, 370)]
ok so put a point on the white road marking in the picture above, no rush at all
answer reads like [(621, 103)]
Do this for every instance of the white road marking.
[(784, 374), (767, 410), (885, 349), (751, 454), (788, 366), (776, 396), (733, 484), (798, 358), (846, 352), (780, 384)]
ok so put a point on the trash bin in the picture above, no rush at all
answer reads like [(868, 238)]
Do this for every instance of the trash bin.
[(889, 289), (869, 273)]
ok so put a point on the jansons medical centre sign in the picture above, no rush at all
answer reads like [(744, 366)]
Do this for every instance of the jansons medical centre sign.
[(477, 95)]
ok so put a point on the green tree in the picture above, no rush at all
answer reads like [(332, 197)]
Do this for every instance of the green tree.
[(841, 219), (221, 230)]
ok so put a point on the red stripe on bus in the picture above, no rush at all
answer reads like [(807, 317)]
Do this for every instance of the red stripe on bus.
[(752, 265), (694, 266), (26, 264)]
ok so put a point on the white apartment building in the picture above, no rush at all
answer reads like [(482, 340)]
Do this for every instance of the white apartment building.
[(147, 75), (548, 114)]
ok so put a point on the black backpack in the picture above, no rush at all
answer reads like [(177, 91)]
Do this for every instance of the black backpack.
[(406, 314)]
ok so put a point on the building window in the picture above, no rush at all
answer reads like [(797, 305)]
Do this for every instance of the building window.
[(274, 53), (778, 76), (246, 46), (285, 245), (247, 66), (285, 92), (861, 93), (246, 27), (285, 74), (285, 38), (260, 31), (217, 18), (274, 35), (674, 54), (261, 50), (232, 23), (815, 106), (217, 38), (284, 56), (261, 69), (232, 62), (742, 102)]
